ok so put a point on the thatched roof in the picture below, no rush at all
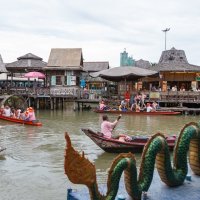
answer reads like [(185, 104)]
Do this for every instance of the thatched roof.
[(95, 66), (29, 61), (2, 66), (65, 58), (125, 72), (142, 63), (174, 60)]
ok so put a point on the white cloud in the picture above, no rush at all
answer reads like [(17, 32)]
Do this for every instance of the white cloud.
[(101, 28)]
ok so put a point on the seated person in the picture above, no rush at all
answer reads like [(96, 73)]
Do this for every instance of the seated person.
[(30, 114), (7, 111), (107, 127), (154, 105), (149, 108), (102, 105)]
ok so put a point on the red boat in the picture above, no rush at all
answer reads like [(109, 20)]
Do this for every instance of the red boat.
[(138, 113), (32, 123), (116, 146)]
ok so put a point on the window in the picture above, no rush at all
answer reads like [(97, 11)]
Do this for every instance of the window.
[(58, 80)]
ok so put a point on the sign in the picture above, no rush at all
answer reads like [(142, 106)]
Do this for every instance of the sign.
[(154, 95)]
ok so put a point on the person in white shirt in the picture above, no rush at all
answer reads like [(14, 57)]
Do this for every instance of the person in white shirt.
[(149, 108), (7, 111)]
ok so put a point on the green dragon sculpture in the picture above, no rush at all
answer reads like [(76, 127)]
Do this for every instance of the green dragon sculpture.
[(81, 171)]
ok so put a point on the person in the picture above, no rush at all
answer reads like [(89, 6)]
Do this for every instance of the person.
[(7, 111), (102, 105), (149, 108), (107, 127), (127, 97), (154, 106), (30, 114), (17, 113)]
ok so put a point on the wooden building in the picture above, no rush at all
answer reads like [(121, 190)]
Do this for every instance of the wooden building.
[(63, 71), (26, 63), (174, 71), (90, 67)]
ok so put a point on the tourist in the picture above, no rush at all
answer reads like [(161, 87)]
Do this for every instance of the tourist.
[(107, 127), (30, 114), (154, 105), (17, 113), (149, 108), (127, 97), (7, 111), (102, 105)]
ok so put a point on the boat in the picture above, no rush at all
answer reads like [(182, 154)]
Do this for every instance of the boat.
[(10, 119), (116, 146), (138, 113)]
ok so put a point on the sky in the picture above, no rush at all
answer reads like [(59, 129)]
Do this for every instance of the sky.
[(102, 28)]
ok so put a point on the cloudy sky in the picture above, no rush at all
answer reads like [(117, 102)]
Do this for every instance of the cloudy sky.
[(102, 28)]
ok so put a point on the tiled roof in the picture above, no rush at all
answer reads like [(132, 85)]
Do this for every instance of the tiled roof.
[(27, 61), (95, 66)]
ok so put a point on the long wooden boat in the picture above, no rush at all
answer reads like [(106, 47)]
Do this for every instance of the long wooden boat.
[(138, 113), (116, 146), (10, 119)]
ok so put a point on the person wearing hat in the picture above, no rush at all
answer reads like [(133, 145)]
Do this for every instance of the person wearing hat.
[(30, 114)]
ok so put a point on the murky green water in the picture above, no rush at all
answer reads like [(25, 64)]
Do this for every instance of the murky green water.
[(32, 168)]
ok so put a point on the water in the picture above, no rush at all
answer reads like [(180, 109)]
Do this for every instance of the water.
[(33, 165)]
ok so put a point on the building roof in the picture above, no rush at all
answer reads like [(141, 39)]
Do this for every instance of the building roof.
[(28, 61), (2, 65), (125, 72), (65, 57), (142, 63), (95, 66), (174, 60)]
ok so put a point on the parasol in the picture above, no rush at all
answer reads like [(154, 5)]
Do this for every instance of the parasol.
[(38, 75)]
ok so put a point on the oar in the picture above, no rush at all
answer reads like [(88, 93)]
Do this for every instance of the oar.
[(118, 118)]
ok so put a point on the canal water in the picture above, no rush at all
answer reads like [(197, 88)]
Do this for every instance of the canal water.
[(32, 167)]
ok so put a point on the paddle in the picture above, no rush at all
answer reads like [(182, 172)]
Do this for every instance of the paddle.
[(118, 118)]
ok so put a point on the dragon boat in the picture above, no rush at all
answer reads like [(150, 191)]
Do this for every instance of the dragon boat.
[(10, 119), (138, 113), (136, 144), (80, 170)]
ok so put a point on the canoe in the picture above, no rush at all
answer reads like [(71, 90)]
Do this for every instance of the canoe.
[(10, 119), (138, 113), (116, 146)]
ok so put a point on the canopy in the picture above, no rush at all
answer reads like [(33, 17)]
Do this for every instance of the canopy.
[(34, 75), (121, 73)]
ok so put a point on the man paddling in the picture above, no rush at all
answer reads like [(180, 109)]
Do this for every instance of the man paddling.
[(107, 126)]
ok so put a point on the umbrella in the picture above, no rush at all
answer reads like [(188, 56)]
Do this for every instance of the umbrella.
[(121, 73), (34, 75)]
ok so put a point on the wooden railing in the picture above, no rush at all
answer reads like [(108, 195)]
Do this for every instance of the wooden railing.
[(73, 92), (76, 92)]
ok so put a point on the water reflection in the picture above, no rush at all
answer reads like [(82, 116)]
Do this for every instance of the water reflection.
[(33, 165)]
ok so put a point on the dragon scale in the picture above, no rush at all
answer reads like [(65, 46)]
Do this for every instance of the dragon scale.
[(81, 171)]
